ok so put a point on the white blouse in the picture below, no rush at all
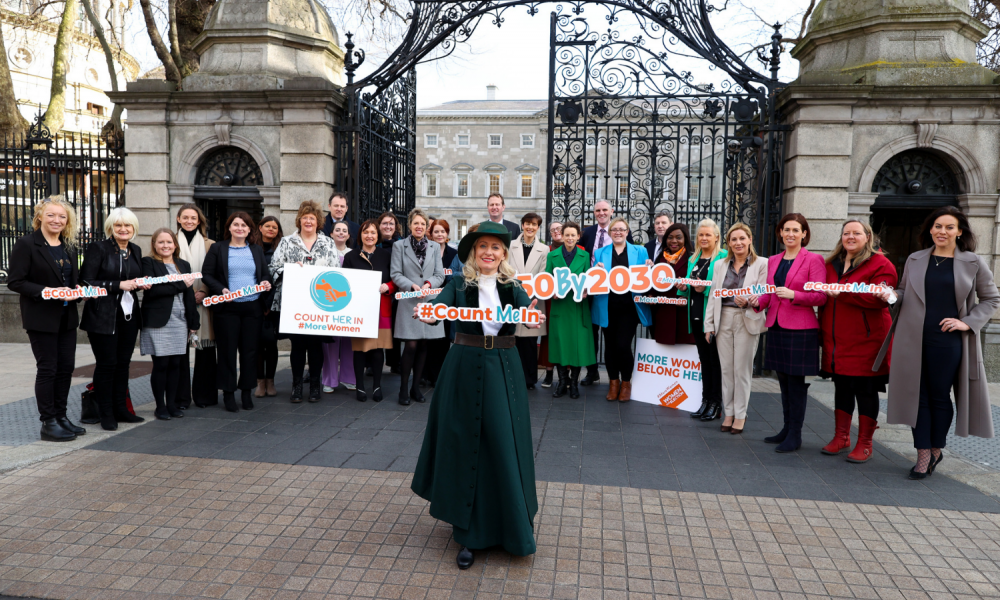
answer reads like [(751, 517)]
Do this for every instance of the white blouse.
[(489, 297)]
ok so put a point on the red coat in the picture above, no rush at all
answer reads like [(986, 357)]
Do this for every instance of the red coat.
[(855, 325)]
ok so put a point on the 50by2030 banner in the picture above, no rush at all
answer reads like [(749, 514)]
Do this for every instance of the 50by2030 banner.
[(667, 375), (329, 301)]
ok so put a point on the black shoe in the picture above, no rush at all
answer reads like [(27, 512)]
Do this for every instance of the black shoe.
[(76, 429), (465, 558), (296, 390), (592, 378), (315, 389), (574, 390), (916, 476), (778, 437), (129, 418), (108, 422), (176, 413), (229, 399), (360, 394), (930, 468), (416, 396), (404, 400), (563, 386), (701, 410), (547, 382), (161, 416), (52, 431), (377, 395), (713, 412), (531, 386), (247, 398)]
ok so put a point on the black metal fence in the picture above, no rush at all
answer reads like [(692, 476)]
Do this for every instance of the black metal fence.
[(88, 171)]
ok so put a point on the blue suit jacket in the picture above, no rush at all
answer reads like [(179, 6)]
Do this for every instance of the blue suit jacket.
[(599, 303)]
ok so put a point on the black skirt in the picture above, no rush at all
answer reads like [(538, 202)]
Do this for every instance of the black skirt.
[(792, 351)]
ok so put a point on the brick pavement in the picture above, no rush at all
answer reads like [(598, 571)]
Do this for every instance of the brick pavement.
[(120, 525)]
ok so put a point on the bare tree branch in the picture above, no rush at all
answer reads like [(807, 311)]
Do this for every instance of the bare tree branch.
[(55, 113), (175, 44), (169, 66), (114, 124)]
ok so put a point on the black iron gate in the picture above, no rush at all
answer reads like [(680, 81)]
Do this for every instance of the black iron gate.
[(87, 171)]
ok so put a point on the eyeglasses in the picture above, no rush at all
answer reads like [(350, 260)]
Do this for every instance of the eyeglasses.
[(619, 230)]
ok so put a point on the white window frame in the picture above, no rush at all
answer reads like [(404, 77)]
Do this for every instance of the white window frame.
[(623, 181), (531, 186), (594, 194), (489, 140), (461, 228), (489, 181), (458, 185), (427, 140), (468, 140), (531, 142), (427, 184)]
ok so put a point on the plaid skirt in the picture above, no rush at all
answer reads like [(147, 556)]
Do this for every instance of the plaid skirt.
[(792, 351)]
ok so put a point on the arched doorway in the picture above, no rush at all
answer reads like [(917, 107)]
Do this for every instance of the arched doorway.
[(227, 182), (909, 186)]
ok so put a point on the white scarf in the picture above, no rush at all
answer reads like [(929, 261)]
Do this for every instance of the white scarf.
[(194, 254)]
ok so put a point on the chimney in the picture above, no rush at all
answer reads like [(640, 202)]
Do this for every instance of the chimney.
[(491, 92)]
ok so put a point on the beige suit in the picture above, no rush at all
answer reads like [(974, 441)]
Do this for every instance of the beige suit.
[(534, 265), (737, 331)]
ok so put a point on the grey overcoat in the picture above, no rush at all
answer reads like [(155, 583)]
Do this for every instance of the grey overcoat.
[(405, 271), (972, 395), (534, 265)]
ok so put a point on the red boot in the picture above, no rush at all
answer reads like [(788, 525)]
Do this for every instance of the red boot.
[(842, 437), (863, 451)]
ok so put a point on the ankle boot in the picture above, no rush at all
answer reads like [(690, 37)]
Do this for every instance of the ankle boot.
[(701, 409), (247, 399), (69, 426), (842, 434), (613, 390), (261, 389), (863, 451), (713, 412), (574, 385), (269, 387), (563, 386), (52, 431), (547, 382), (796, 415), (781, 435), (296, 390), (229, 400), (626, 392), (315, 387)]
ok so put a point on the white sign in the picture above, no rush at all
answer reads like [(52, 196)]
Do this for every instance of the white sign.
[(667, 375), (330, 301)]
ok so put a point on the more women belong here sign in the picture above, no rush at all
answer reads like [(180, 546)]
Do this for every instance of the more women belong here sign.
[(329, 301), (667, 375)]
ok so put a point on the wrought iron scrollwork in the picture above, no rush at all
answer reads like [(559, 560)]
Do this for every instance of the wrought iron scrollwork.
[(229, 166)]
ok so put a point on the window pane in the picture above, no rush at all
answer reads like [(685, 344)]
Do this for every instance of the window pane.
[(526, 186), (494, 183), (463, 140), (432, 184), (463, 185), (591, 186), (463, 228), (527, 140), (432, 140), (623, 188), (495, 140)]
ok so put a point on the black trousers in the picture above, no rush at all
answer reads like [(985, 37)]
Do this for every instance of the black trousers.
[(184, 380), (303, 346), (113, 357), (794, 396), (55, 359), (847, 388), (527, 349), (711, 366), (597, 347), (935, 411), (204, 389), (436, 351), (165, 380), (237, 325)]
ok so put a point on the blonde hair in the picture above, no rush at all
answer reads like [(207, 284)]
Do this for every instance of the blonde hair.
[(505, 272), (121, 215), (718, 242), (69, 233), (866, 252), (416, 212), (618, 220), (752, 254)]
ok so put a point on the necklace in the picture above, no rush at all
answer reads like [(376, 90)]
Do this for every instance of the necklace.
[(938, 263)]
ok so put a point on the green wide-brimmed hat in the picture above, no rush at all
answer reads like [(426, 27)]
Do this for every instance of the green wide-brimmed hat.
[(485, 228)]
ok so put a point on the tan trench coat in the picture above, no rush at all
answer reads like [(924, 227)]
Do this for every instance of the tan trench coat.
[(534, 265), (972, 395)]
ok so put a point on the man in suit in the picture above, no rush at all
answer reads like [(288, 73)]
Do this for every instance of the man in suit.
[(594, 238), (664, 219), (495, 207), (338, 213)]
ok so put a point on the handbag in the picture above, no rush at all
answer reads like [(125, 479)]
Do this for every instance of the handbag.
[(269, 331), (89, 414)]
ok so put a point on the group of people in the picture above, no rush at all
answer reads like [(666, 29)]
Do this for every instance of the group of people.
[(482, 371)]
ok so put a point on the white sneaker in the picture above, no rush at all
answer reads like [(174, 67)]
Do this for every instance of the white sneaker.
[(350, 386), (327, 389)]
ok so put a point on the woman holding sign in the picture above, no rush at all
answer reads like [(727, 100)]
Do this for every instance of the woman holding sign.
[(945, 296), (571, 337), (169, 315), (670, 321), (617, 313), (527, 255), (793, 330), (415, 266), (734, 323), (476, 465), (230, 265), (45, 259), (112, 322)]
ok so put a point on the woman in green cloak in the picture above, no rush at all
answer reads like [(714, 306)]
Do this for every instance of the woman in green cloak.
[(476, 466)]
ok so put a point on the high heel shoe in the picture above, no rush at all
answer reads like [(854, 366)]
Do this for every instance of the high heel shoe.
[(733, 430), (713, 412), (360, 394), (701, 410), (934, 463), (415, 394), (229, 400), (377, 394)]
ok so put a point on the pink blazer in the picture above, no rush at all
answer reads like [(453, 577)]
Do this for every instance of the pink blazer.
[(797, 313)]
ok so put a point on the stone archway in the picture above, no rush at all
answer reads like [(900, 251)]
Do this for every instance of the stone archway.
[(227, 181)]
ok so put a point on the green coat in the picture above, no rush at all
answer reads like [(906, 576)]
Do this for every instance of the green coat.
[(571, 336), (476, 465)]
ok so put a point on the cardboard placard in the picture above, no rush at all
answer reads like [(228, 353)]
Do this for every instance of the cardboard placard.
[(667, 375), (330, 301)]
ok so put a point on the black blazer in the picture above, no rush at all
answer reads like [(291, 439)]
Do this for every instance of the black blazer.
[(215, 270), (103, 267), (513, 228), (449, 256), (352, 230), (158, 301), (32, 270), (589, 238), (381, 260), (651, 248)]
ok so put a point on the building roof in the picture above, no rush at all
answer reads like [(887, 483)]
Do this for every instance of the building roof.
[(512, 108)]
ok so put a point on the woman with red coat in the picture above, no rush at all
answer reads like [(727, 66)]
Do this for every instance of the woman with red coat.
[(854, 326)]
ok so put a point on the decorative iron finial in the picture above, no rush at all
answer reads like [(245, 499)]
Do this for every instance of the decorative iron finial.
[(775, 51), (352, 58), (39, 133)]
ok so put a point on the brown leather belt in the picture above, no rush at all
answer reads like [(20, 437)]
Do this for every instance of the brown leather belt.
[(487, 342)]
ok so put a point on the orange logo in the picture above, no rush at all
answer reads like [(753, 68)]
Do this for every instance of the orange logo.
[(673, 397), (332, 295)]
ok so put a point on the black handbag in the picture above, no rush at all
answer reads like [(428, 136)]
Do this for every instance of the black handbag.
[(88, 408), (269, 331)]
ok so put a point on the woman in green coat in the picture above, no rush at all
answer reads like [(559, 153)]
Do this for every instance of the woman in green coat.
[(571, 341), (476, 465)]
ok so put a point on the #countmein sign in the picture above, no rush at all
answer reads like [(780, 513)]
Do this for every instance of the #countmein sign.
[(667, 375), (328, 301)]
